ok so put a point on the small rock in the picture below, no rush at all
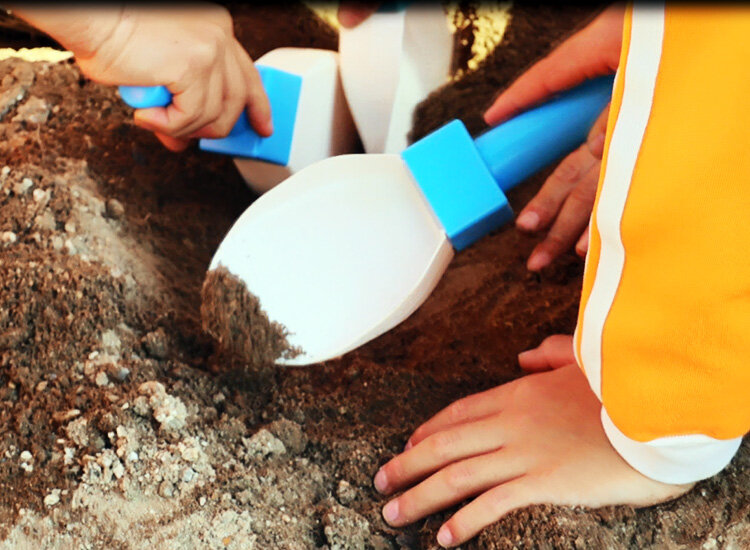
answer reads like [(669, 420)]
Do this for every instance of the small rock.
[(290, 433), (156, 343), (64, 416), (345, 528), (115, 209), (26, 456), (39, 195), (34, 111), (345, 492), (22, 187), (169, 411), (8, 237), (187, 475), (166, 489), (263, 444), (53, 498), (101, 379)]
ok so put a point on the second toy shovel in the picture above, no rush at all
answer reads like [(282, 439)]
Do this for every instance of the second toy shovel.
[(350, 246)]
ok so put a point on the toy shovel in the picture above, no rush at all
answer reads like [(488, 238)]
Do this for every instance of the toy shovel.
[(389, 63), (310, 117), (352, 245)]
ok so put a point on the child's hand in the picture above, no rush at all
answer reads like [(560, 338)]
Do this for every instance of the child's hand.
[(536, 440), (567, 197), (191, 50)]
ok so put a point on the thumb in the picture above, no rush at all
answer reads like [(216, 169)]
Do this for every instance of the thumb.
[(556, 351), (594, 51)]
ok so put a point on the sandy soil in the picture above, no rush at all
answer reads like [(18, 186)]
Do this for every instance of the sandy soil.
[(120, 427)]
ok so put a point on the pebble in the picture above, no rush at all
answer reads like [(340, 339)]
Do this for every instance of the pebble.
[(101, 379), (8, 237), (53, 498), (35, 110), (156, 343), (23, 186), (115, 209), (290, 433), (26, 456), (39, 194)]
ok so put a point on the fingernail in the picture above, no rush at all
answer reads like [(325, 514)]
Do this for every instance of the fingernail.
[(538, 261), (528, 221), (408, 445), (596, 145), (390, 511), (445, 537), (381, 481)]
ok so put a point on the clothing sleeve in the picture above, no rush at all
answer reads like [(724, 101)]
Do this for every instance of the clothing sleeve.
[(662, 332)]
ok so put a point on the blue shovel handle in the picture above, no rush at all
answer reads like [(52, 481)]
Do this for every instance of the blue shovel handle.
[(145, 97), (523, 145)]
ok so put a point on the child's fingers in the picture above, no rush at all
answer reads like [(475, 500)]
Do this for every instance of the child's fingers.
[(233, 101), (545, 205), (172, 143), (593, 51), (256, 100), (487, 508), (450, 485), (554, 352), (570, 221), (582, 246), (439, 450), (464, 410)]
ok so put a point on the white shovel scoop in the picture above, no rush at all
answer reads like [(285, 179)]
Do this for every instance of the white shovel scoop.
[(349, 247), (389, 63)]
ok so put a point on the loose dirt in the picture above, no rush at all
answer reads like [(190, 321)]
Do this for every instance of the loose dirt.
[(238, 324), (120, 425)]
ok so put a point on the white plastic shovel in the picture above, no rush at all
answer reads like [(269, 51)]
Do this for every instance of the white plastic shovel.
[(391, 62), (310, 116), (349, 247)]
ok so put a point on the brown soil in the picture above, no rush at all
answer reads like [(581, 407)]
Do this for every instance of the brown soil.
[(239, 326), (121, 428)]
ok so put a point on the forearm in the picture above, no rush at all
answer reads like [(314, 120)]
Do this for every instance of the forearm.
[(81, 29)]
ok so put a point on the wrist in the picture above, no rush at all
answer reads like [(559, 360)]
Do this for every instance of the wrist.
[(82, 31)]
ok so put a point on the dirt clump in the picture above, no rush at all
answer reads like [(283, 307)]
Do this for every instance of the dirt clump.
[(233, 316)]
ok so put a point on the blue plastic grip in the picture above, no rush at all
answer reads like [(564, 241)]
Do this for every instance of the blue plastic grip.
[(525, 144), (464, 180), (283, 90), (143, 97)]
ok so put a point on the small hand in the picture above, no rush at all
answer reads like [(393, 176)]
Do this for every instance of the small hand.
[(535, 440), (191, 50), (567, 197)]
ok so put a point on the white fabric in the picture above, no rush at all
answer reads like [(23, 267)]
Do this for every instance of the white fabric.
[(675, 459), (647, 32)]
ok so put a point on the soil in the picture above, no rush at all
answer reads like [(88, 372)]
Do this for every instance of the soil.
[(120, 425), (239, 325)]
